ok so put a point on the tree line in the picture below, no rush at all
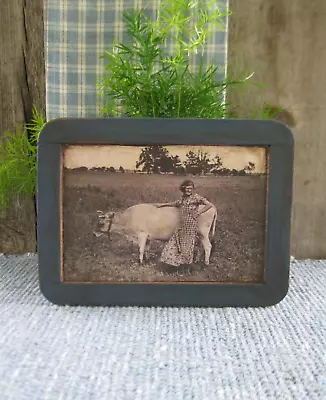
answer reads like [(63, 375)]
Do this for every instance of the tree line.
[(157, 159)]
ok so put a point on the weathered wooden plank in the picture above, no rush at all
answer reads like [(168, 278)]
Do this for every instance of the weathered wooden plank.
[(22, 84), (284, 43)]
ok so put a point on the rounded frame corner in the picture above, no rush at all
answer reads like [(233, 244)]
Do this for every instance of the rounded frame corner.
[(284, 131), (276, 296), (50, 295), (49, 130)]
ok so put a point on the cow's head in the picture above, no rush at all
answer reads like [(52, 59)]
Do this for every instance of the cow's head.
[(104, 223)]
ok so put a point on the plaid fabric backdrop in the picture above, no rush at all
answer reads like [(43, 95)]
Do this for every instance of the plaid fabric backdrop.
[(77, 33)]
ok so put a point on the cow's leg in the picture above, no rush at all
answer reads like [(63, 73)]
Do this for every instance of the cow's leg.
[(142, 239), (207, 247)]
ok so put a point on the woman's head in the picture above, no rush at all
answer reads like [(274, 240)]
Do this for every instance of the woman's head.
[(187, 187)]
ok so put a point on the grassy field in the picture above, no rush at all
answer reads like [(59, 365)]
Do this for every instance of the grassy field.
[(238, 245)]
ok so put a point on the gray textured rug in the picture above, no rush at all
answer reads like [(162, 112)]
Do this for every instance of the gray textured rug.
[(51, 352)]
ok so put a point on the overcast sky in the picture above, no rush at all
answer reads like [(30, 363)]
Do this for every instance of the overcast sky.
[(236, 157)]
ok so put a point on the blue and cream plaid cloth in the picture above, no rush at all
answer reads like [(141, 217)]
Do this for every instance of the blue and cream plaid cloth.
[(77, 33)]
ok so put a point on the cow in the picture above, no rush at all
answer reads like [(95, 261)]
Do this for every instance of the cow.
[(144, 222)]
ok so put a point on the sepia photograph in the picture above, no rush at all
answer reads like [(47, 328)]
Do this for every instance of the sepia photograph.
[(164, 214)]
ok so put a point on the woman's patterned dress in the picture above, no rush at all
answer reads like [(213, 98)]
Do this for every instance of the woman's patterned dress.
[(180, 248)]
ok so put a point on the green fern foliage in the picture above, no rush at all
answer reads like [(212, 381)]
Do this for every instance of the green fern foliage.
[(151, 74), (18, 153)]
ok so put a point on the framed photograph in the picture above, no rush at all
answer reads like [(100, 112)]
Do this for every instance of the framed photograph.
[(164, 212)]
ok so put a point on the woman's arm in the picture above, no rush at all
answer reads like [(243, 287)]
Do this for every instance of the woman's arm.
[(208, 205), (171, 204)]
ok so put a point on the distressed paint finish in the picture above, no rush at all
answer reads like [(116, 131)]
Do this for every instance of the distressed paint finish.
[(283, 43)]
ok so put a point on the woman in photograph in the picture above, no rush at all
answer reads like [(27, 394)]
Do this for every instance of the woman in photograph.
[(179, 250)]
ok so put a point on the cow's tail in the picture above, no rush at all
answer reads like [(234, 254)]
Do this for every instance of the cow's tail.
[(213, 227)]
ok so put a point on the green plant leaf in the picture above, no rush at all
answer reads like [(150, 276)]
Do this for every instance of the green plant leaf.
[(18, 161), (146, 78)]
